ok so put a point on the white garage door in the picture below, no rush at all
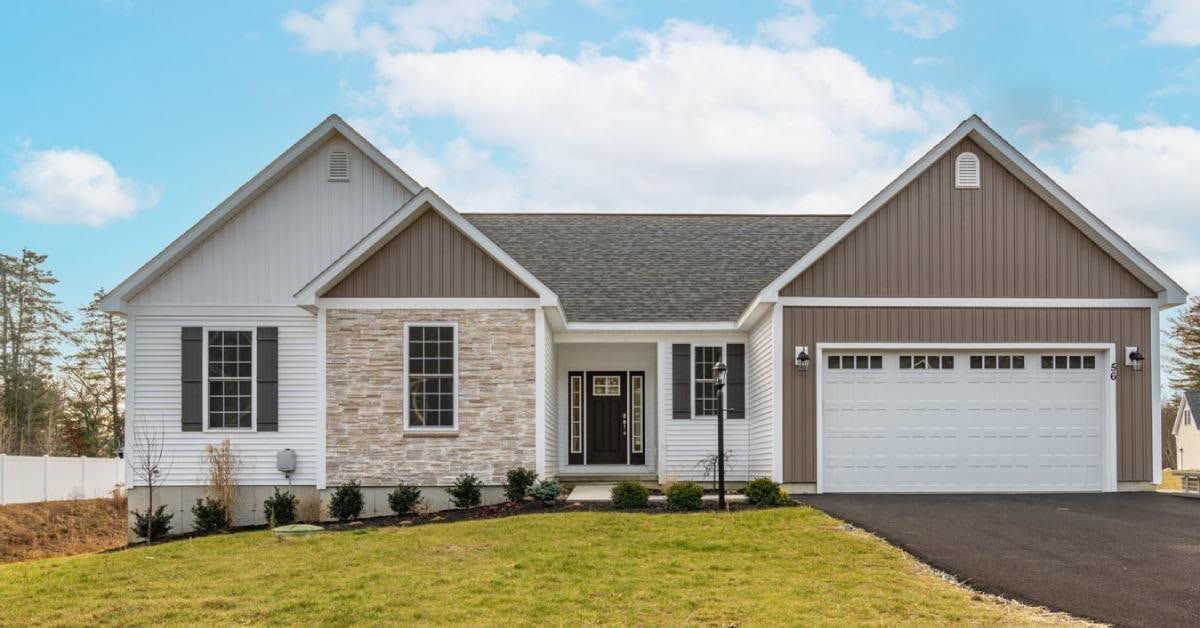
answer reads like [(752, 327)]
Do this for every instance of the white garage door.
[(962, 421)]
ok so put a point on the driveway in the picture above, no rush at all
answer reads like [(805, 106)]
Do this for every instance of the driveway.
[(1122, 558)]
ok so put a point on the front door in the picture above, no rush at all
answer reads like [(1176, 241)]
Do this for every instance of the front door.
[(606, 417)]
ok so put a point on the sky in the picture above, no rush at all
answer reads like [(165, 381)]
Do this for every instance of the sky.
[(126, 121)]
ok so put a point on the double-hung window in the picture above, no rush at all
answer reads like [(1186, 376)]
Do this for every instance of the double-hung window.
[(430, 376), (230, 379), (706, 398)]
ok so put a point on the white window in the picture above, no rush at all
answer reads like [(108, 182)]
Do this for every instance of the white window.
[(430, 376), (230, 372), (966, 171), (706, 400), (576, 414)]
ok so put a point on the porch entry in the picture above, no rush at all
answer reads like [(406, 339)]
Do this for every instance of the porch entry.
[(607, 417)]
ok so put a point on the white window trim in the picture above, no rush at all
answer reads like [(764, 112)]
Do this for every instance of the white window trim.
[(453, 429), (692, 377), (253, 379)]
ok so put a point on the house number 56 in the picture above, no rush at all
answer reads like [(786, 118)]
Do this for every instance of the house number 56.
[(1112, 372)]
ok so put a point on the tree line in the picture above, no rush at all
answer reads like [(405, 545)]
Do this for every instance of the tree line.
[(62, 374), (1184, 342)]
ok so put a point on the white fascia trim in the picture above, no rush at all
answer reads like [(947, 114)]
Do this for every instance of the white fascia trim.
[(539, 392), (219, 310), (428, 304), (117, 300), (753, 312), (1110, 388), (1170, 292), (1156, 399), (965, 302), (425, 200)]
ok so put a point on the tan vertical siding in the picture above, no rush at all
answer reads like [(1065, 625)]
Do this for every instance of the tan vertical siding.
[(430, 258), (933, 240), (1122, 327)]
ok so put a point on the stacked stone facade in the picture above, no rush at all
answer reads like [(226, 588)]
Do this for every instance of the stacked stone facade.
[(364, 370)]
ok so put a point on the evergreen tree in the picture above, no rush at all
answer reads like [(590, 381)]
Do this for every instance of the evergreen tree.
[(97, 374)]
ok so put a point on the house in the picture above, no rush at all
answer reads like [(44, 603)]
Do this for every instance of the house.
[(971, 328), (1186, 432)]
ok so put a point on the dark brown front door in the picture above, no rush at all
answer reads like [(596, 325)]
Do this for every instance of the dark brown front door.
[(606, 408)]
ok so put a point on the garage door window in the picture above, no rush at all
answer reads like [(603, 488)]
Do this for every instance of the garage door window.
[(926, 362), (856, 362), (1068, 362), (997, 362)]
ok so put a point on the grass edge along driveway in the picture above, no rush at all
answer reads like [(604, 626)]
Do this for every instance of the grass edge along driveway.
[(788, 565)]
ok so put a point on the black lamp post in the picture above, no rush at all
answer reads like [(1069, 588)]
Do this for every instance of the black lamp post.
[(719, 370)]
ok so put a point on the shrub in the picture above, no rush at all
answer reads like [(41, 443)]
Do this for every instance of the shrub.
[(280, 508), (764, 492), (685, 496), (223, 465), (630, 494), (152, 527), (466, 491), (518, 482), (545, 491), (347, 502), (210, 515), (404, 499)]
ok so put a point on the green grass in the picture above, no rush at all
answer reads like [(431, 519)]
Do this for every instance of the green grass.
[(792, 565)]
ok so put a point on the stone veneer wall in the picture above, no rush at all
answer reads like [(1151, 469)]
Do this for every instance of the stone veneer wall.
[(364, 371)]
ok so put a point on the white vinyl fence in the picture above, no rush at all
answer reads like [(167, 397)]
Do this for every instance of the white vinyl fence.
[(28, 479)]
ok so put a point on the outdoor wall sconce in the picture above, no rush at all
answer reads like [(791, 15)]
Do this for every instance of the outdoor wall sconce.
[(1134, 358), (802, 359)]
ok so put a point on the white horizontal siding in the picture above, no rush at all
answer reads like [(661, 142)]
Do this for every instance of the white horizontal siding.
[(283, 238), (759, 393), (688, 441), (156, 405)]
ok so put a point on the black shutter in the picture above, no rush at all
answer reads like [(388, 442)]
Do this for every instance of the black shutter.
[(267, 369), (735, 380), (681, 381), (191, 351)]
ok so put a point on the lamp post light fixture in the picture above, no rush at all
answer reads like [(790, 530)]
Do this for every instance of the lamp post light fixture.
[(720, 372)]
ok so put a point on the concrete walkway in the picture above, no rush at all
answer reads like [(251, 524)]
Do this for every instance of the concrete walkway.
[(602, 492)]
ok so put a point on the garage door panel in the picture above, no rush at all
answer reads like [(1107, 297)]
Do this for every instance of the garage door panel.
[(962, 429)]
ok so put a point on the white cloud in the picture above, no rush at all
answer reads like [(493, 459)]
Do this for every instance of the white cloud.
[(1142, 182), (924, 20), (75, 186), (692, 121), (1174, 22), (346, 25), (533, 40), (796, 28)]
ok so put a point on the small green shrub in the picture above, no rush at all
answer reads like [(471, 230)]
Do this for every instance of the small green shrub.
[(685, 496), (466, 492), (764, 492), (280, 508), (209, 516), (630, 494), (347, 502), (545, 491), (404, 499), (152, 526), (517, 483)]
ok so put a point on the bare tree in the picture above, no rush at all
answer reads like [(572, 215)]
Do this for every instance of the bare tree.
[(149, 463)]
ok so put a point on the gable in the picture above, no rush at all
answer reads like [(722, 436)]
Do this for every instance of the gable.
[(1001, 240), (292, 229), (430, 258)]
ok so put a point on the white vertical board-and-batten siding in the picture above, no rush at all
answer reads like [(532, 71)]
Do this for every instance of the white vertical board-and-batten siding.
[(156, 374), (687, 441)]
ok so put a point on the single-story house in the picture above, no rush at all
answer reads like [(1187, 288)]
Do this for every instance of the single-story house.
[(1186, 432), (971, 328)]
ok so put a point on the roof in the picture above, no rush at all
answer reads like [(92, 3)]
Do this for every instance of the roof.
[(655, 267), (1193, 400)]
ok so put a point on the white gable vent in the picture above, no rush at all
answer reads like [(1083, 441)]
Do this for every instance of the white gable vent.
[(966, 171), (339, 166)]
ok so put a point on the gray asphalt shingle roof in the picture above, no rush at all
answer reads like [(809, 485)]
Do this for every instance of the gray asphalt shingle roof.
[(665, 267), (1193, 401)]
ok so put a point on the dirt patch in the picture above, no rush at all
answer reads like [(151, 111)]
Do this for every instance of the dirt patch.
[(61, 528)]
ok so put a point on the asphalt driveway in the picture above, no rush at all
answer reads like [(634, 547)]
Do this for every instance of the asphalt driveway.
[(1123, 558)]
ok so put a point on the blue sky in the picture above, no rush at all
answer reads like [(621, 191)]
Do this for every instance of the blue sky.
[(125, 122)]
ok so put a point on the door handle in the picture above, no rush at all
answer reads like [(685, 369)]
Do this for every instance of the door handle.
[(624, 422)]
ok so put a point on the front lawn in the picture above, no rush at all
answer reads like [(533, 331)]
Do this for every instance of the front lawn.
[(788, 565)]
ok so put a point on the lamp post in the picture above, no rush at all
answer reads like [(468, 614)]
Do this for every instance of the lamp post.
[(719, 371)]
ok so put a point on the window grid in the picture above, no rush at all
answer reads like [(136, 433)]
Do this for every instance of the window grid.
[(606, 386), (635, 429), (431, 376), (855, 362), (576, 414), (230, 383), (1068, 362), (927, 362), (997, 362), (707, 399)]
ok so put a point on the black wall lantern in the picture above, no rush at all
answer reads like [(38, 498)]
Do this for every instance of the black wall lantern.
[(720, 371), (1134, 358), (803, 360)]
